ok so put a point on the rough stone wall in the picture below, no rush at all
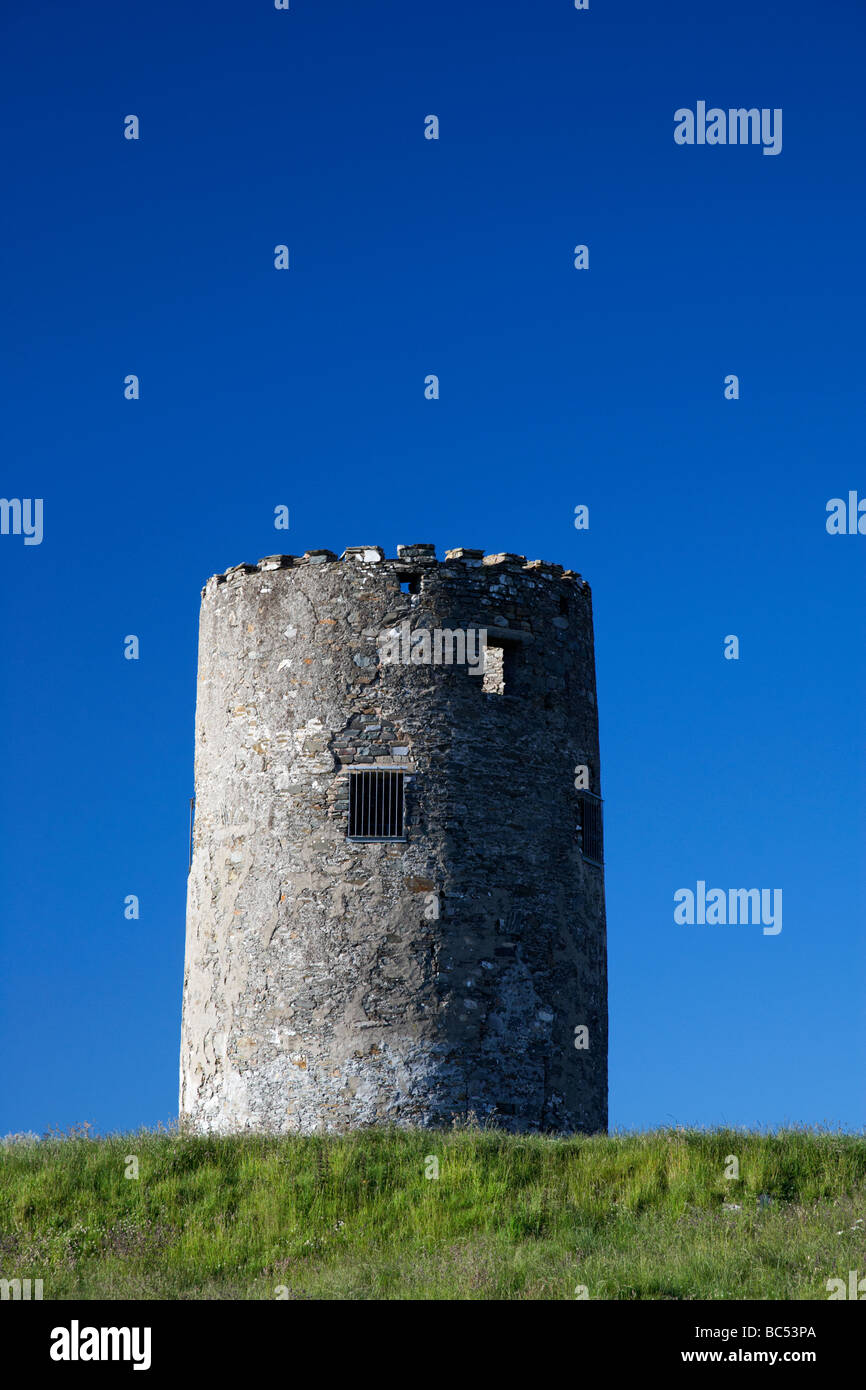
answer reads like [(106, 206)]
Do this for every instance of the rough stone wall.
[(331, 983)]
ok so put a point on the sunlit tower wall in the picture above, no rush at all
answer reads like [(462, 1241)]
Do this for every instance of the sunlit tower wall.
[(396, 898)]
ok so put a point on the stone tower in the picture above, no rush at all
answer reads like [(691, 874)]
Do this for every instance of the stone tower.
[(396, 900)]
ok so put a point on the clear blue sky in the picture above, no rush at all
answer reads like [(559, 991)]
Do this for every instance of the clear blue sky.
[(558, 387)]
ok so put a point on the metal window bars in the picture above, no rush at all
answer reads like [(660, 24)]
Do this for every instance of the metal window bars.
[(376, 804), (591, 840)]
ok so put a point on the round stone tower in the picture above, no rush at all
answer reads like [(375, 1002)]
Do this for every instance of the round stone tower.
[(396, 900)]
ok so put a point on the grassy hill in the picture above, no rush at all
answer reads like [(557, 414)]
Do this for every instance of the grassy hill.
[(635, 1216)]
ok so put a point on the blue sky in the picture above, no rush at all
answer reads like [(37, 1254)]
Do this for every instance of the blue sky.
[(558, 387)]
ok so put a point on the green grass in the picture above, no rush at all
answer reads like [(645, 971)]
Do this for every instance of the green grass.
[(634, 1216)]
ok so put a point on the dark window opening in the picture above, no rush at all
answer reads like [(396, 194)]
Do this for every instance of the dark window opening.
[(411, 584), (500, 667), (563, 605), (589, 828), (376, 808)]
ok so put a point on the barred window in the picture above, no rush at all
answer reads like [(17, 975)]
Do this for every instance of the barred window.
[(376, 804), (591, 844)]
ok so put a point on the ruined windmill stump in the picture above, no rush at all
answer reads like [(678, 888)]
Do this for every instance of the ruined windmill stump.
[(396, 899)]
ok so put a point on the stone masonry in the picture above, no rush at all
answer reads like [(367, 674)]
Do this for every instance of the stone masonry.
[(332, 983)]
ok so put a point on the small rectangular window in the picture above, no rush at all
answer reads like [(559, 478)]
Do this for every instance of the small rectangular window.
[(591, 845), (500, 667), (411, 584), (376, 804)]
